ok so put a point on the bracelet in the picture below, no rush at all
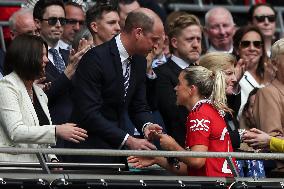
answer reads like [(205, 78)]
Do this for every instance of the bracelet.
[(174, 162)]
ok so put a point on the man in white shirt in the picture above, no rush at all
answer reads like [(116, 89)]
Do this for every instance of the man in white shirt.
[(75, 20), (49, 17), (219, 29), (185, 35), (110, 82)]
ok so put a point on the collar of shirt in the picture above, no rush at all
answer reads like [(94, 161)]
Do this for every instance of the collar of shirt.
[(122, 51), (162, 59), (63, 45), (50, 56), (212, 49), (180, 62)]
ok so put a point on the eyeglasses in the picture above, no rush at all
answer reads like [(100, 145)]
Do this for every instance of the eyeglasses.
[(271, 18), (53, 20), (74, 22), (256, 44)]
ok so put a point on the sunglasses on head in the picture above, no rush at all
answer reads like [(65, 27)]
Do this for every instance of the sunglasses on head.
[(74, 22), (271, 18), (245, 44), (53, 20)]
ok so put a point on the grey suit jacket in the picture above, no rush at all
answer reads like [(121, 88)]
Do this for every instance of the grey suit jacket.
[(19, 124)]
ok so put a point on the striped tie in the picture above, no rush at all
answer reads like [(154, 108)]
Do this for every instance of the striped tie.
[(126, 76), (58, 61)]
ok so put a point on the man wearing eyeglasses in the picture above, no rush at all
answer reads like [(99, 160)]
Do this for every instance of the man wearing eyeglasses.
[(49, 17), (263, 16), (75, 19), (219, 29)]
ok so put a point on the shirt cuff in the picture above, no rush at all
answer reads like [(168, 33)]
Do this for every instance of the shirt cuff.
[(123, 142), (144, 126)]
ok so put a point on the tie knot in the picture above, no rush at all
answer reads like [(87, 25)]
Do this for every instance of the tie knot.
[(53, 51)]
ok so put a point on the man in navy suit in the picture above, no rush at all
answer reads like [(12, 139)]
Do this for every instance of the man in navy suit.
[(49, 17), (110, 82), (185, 36)]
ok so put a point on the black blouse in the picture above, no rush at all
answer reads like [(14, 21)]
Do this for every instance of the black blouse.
[(43, 120)]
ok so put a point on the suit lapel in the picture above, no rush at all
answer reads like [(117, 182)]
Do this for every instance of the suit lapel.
[(65, 55), (118, 68), (51, 71), (26, 99), (174, 67)]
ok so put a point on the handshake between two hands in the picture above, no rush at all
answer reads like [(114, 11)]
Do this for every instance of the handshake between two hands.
[(152, 132)]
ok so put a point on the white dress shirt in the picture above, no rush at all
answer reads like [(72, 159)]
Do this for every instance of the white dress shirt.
[(180, 62), (212, 49)]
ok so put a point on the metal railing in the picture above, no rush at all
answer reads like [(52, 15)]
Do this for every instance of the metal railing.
[(105, 152), (94, 171)]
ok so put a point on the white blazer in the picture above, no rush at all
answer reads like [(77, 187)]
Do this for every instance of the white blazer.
[(19, 124)]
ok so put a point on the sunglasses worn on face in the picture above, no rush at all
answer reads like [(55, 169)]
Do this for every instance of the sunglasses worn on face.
[(53, 20), (256, 44), (74, 22), (271, 18)]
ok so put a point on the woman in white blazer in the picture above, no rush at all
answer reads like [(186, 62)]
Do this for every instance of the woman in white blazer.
[(24, 117)]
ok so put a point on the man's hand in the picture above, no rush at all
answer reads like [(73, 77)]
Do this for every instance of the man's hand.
[(45, 86), (139, 144), (152, 128), (74, 59)]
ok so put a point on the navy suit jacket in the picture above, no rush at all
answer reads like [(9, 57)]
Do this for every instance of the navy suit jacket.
[(174, 116), (99, 104), (59, 100)]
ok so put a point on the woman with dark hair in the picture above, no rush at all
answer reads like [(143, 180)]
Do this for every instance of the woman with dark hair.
[(202, 92), (263, 16), (24, 117), (249, 46)]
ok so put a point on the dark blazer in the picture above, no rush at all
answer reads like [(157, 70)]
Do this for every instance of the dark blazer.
[(174, 116), (59, 100), (98, 96)]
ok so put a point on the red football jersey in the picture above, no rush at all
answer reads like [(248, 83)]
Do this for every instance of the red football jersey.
[(206, 126)]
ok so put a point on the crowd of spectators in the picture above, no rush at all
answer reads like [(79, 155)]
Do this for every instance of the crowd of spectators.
[(122, 76)]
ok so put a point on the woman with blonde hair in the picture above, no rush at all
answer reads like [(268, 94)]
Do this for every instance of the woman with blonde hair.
[(202, 92), (225, 62)]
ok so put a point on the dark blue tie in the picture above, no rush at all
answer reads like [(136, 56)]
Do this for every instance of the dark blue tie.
[(58, 61), (126, 76)]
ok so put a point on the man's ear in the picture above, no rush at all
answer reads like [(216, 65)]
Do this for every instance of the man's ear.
[(205, 31), (37, 23), (12, 34), (174, 42), (94, 27), (137, 32)]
